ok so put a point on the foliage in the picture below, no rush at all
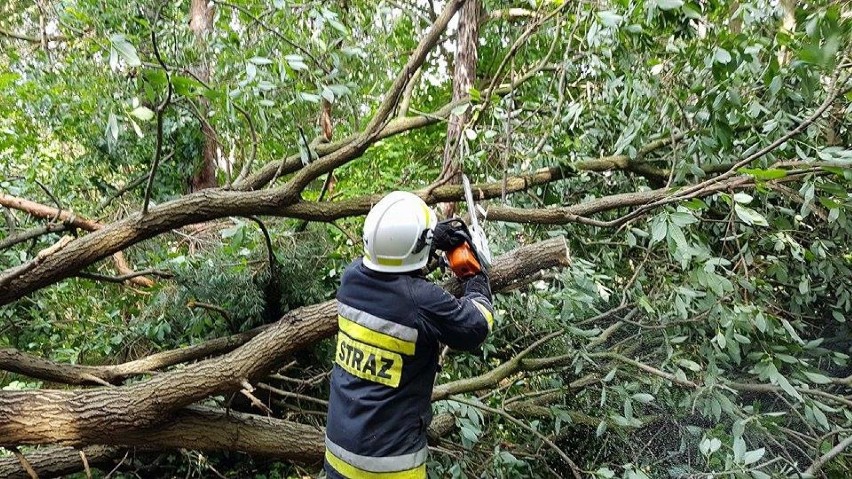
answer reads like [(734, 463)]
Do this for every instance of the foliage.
[(708, 336)]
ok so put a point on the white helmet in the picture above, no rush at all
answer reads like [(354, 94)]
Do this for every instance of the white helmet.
[(398, 233)]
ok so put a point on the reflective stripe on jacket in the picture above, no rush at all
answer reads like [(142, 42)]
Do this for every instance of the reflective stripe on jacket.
[(385, 364)]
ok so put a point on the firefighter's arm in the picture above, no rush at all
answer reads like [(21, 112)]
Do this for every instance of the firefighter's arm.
[(460, 323)]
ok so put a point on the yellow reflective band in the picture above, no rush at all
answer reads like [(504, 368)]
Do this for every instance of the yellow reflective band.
[(384, 261), (382, 340), (427, 213), (353, 472), (489, 318), (368, 362)]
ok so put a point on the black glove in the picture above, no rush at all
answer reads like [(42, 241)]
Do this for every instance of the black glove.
[(478, 283), (447, 235)]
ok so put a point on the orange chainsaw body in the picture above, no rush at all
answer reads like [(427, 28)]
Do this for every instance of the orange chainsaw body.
[(463, 261)]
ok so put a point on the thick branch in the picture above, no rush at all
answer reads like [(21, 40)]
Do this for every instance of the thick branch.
[(215, 203), (22, 363), (47, 212), (578, 213), (59, 461)]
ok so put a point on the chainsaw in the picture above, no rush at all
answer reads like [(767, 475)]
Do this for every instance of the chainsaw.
[(474, 255)]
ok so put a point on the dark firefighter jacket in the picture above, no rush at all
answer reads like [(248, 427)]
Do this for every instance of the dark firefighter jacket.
[(385, 365)]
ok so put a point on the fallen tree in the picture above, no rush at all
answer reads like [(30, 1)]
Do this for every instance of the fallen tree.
[(105, 415)]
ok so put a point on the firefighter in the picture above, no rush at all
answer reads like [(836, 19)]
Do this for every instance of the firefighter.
[(391, 321)]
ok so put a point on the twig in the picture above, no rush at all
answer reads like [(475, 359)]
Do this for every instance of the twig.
[(52, 197), (274, 32), (574, 469), (210, 307), (86, 465), (645, 367), (247, 392), (27, 38), (246, 169), (293, 395), (270, 252), (24, 462), (161, 108), (822, 460), (697, 189), (117, 465), (124, 277), (31, 233), (129, 186)]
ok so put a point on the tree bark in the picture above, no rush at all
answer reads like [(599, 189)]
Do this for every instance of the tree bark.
[(195, 428), (59, 461), (464, 73), (201, 23)]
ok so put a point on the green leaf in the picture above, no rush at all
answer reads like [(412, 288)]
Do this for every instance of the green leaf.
[(8, 78), (817, 378), (605, 473), (126, 50), (753, 456), (143, 113), (738, 428), (643, 398), (689, 364), (459, 110), (739, 449), (820, 418), (112, 128), (792, 332), (743, 198), (475, 94), (609, 18), (185, 86), (309, 97), (296, 62), (760, 322), (782, 382), (749, 216), (722, 56), (682, 218), (658, 229), (676, 234), (694, 204), (601, 429), (669, 4)]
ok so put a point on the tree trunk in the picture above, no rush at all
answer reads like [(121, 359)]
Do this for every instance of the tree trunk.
[(464, 74), (201, 22)]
